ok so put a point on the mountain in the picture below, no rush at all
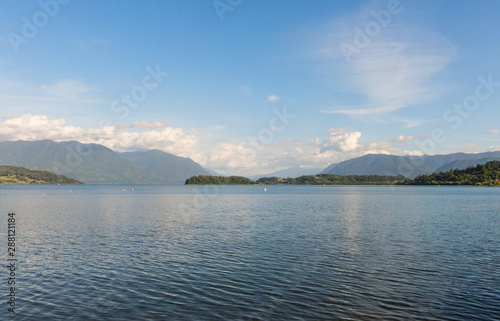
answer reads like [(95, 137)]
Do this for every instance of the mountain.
[(408, 166), (480, 175), (465, 163), (21, 175), (329, 168), (95, 164), (164, 167), (89, 163), (290, 172), (379, 164)]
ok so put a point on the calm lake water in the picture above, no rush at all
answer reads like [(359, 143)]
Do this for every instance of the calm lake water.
[(242, 253)]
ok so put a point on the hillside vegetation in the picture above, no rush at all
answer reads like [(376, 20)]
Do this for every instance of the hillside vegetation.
[(479, 175), (22, 175), (322, 179), (218, 180), (97, 164)]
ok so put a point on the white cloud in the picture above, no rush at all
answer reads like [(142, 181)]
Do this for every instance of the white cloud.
[(273, 98), (162, 137), (405, 139), (243, 158), (493, 131), (413, 153), (340, 141), (229, 159)]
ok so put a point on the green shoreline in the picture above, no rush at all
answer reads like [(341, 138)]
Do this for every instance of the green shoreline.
[(480, 175), (14, 175)]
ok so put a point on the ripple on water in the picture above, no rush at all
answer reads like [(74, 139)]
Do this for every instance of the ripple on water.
[(341, 253)]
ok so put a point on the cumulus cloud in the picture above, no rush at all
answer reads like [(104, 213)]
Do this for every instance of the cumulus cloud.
[(273, 98), (230, 159), (161, 136), (248, 158), (340, 141), (234, 157)]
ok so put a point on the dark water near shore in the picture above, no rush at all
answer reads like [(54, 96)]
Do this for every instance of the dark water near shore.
[(242, 253)]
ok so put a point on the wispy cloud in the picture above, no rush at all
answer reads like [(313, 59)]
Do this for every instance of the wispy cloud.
[(245, 90), (395, 70), (493, 131), (410, 123), (142, 124), (102, 42), (64, 91)]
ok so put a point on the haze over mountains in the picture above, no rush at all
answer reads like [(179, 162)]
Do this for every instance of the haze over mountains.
[(96, 164), (289, 172)]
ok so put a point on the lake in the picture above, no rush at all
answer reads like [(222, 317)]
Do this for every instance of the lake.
[(97, 252)]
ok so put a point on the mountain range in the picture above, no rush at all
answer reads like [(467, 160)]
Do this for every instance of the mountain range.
[(289, 172), (408, 166), (97, 164)]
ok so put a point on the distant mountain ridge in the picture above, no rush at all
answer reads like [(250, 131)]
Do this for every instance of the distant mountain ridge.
[(97, 164), (408, 166), (289, 172), (166, 168)]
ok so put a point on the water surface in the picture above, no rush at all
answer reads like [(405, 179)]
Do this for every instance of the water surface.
[(98, 252)]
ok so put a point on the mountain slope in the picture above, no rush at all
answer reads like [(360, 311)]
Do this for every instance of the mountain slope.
[(408, 166), (89, 163), (165, 167), (290, 172), (22, 175), (465, 163), (379, 164), (96, 164)]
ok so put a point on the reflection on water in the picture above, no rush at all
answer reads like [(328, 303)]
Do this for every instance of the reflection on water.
[(293, 252)]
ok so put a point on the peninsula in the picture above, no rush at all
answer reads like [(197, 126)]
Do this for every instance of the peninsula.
[(23, 175)]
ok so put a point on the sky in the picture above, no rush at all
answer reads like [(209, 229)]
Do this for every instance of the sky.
[(250, 87)]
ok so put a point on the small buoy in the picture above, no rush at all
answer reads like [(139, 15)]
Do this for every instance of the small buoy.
[(131, 188), (70, 191), (124, 190), (265, 189)]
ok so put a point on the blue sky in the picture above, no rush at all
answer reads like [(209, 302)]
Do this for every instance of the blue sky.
[(248, 87)]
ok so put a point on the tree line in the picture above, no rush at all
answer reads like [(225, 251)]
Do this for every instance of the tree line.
[(21, 175), (479, 175), (320, 179)]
